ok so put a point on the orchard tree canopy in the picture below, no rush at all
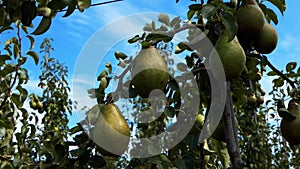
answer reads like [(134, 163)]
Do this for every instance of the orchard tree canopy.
[(207, 110)]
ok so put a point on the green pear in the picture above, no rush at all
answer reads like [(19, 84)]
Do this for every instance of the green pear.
[(250, 19), (149, 72), (111, 132), (290, 129), (266, 39), (232, 58)]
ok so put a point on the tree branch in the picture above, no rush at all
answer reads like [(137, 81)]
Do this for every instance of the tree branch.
[(284, 77), (230, 129)]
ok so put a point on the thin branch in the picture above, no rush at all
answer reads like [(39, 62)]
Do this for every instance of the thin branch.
[(284, 77), (96, 4)]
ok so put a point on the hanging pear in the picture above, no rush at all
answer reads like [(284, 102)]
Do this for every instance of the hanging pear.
[(266, 39), (290, 128), (111, 132), (250, 18), (149, 72), (232, 57)]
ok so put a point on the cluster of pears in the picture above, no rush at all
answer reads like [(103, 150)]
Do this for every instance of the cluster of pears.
[(36, 104), (253, 30), (111, 132), (290, 123), (149, 72)]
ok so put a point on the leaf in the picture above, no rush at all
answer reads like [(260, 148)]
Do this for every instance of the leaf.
[(285, 114), (97, 161), (121, 55), (272, 15), (175, 21), (134, 39), (164, 18), (108, 67), (291, 66), (278, 3), (34, 55), (43, 26), (4, 58), (208, 10), (195, 7), (44, 11), (272, 73), (83, 4), (190, 14), (230, 24), (32, 41), (148, 28), (170, 112), (278, 82), (71, 8), (5, 141)]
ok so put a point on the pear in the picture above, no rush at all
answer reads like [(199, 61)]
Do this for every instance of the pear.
[(149, 72), (290, 129), (232, 57), (111, 132), (266, 40), (250, 18)]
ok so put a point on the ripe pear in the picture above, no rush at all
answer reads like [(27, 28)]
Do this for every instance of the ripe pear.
[(250, 19), (266, 39), (232, 56), (149, 72), (111, 132), (290, 129)]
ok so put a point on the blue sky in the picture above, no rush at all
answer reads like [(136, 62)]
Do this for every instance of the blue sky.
[(71, 34)]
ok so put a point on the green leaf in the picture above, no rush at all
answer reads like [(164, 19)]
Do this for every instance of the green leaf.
[(230, 24), (279, 4), (170, 112), (43, 26), (32, 41), (71, 8), (190, 14), (278, 82), (272, 73), (175, 21), (83, 4), (195, 7), (285, 114), (291, 66), (134, 39), (208, 10), (164, 18), (272, 15), (108, 67), (120, 55), (4, 58), (4, 28), (34, 55), (148, 28), (45, 11), (97, 161), (5, 141)]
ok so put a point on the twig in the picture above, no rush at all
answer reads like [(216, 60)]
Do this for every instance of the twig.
[(284, 77), (231, 132)]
